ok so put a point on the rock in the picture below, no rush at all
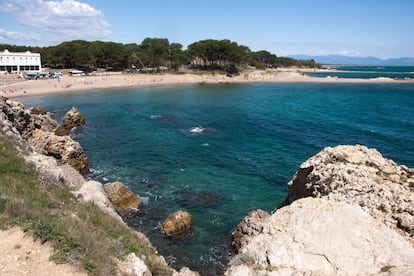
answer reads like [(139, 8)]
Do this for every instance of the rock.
[(316, 236), (62, 148), (121, 198), (198, 200), (358, 175), (185, 271), (51, 173), (40, 110), (71, 119), (250, 226), (177, 224), (132, 266), (23, 121), (405, 221), (93, 191)]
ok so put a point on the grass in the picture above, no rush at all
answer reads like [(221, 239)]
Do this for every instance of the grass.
[(81, 234), (411, 184)]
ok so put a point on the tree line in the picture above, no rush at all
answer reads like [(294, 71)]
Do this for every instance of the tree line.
[(156, 54)]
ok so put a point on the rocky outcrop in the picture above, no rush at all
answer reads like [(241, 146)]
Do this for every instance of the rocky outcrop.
[(63, 148), (362, 176), (51, 173), (122, 199), (177, 224), (341, 214), (322, 237), (131, 265), (39, 110), (37, 131), (71, 119), (250, 226)]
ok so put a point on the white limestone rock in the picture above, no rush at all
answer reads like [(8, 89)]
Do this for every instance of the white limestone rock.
[(315, 236)]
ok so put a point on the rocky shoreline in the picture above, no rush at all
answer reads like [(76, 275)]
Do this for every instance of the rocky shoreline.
[(348, 210), (59, 160)]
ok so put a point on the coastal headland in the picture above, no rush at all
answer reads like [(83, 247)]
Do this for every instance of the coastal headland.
[(14, 87)]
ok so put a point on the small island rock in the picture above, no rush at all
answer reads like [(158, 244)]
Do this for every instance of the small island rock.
[(177, 223), (71, 119)]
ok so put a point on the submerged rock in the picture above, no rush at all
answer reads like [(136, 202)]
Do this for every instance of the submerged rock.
[(177, 224), (198, 200), (122, 199)]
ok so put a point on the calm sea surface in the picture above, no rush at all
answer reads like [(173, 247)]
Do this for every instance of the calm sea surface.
[(256, 137), (368, 72)]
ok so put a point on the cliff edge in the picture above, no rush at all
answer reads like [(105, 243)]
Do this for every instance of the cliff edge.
[(348, 211)]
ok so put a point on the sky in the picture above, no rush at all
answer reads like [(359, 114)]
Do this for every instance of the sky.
[(380, 28)]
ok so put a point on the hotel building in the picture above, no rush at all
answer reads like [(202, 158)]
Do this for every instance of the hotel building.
[(19, 62)]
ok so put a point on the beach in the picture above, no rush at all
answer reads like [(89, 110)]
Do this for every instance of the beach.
[(12, 88)]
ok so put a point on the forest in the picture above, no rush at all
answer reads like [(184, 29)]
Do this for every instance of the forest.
[(155, 54)]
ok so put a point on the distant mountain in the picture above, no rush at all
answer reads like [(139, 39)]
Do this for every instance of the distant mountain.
[(345, 60)]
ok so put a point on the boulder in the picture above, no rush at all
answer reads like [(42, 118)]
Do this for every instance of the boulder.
[(132, 266), (39, 110), (71, 119), (92, 191), (62, 148), (177, 224), (250, 226), (316, 236), (122, 199), (51, 173), (362, 176), (185, 271)]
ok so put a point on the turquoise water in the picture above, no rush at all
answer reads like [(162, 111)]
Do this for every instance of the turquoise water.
[(367, 72), (256, 137)]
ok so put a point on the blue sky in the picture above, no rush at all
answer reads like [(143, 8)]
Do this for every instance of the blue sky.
[(381, 28)]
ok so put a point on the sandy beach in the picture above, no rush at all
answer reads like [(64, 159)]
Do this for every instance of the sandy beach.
[(12, 88)]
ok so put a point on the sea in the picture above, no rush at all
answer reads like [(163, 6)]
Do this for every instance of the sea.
[(366, 72), (254, 138)]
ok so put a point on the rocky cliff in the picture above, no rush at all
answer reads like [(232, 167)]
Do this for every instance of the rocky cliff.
[(349, 211), (37, 132)]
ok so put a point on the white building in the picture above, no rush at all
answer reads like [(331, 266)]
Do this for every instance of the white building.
[(19, 62)]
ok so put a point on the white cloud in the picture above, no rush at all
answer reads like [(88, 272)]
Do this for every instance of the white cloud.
[(24, 38), (57, 21)]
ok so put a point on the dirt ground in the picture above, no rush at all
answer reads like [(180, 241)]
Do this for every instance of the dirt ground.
[(20, 255)]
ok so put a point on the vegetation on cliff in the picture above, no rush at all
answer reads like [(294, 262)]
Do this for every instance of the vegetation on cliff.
[(156, 53), (80, 232)]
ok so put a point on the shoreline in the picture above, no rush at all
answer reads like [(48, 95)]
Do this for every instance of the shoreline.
[(67, 84)]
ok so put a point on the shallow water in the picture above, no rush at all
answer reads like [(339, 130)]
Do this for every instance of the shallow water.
[(255, 138)]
